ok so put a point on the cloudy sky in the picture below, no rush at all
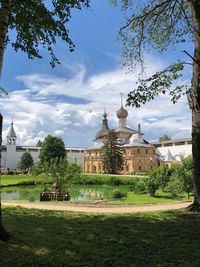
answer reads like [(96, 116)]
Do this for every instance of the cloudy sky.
[(69, 101)]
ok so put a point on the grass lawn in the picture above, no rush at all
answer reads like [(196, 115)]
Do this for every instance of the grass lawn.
[(50, 238), (16, 179), (147, 199)]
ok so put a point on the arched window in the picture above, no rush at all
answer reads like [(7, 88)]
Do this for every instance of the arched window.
[(127, 167), (94, 169), (88, 167), (140, 166)]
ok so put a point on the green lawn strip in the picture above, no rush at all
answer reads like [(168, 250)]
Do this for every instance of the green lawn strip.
[(137, 199), (19, 179), (49, 238)]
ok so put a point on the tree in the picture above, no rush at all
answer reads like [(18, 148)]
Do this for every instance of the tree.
[(59, 172), (113, 160), (62, 173), (39, 143), (26, 161), (36, 25), (158, 24), (3, 233), (52, 147), (165, 137), (185, 174), (158, 178)]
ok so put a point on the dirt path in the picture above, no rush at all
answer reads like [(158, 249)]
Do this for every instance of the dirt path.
[(99, 208)]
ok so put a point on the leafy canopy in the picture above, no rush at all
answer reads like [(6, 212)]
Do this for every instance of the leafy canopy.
[(52, 147), (157, 25), (165, 137), (37, 24), (26, 161)]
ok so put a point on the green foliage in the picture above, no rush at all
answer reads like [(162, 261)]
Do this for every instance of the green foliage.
[(95, 179), (153, 23), (39, 143), (158, 178), (60, 172), (114, 181), (31, 199), (118, 194), (38, 24), (182, 178), (165, 137), (113, 160), (159, 83), (26, 161), (52, 147), (175, 186), (140, 187)]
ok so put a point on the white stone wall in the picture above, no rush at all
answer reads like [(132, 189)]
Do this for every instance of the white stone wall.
[(11, 157), (175, 150)]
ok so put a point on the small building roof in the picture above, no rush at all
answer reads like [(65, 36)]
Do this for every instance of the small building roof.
[(11, 132)]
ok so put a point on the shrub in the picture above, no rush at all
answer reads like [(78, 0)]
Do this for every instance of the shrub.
[(140, 187), (31, 182), (31, 199), (114, 181), (175, 186), (118, 194), (158, 178)]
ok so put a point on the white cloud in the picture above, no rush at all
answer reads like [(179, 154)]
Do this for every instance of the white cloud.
[(72, 107)]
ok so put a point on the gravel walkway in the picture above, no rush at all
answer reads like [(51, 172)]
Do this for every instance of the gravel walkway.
[(100, 207)]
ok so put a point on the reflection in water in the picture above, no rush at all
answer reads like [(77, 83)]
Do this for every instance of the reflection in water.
[(78, 193)]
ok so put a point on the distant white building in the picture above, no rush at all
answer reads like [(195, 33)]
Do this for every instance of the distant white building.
[(169, 151), (11, 153)]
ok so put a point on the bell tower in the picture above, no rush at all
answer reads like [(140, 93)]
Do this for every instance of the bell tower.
[(11, 158)]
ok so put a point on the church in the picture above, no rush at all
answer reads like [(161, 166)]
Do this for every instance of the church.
[(139, 155)]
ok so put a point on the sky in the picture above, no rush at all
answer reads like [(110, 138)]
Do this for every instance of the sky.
[(69, 100)]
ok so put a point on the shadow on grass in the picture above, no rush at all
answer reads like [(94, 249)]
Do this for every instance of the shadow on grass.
[(46, 238)]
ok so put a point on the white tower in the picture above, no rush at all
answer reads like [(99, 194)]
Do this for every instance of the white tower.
[(11, 156)]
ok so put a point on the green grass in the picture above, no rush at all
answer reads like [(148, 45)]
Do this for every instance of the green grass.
[(138, 199), (19, 179), (49, 238)]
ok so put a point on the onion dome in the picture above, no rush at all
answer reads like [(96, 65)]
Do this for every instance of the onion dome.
[(122, 113), (104, 127)]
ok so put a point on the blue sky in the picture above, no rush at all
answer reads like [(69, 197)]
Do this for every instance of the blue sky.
[(69, 100)]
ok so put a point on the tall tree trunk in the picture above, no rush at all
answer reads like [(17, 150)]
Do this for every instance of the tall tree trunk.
[(3, 234), (194, 102), (5, 6)]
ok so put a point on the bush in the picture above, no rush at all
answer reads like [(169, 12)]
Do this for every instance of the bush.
[(31, 182), (140, 187), (158, 178), (31, 199), (175, 187), (114, 181), (118, 194), (153, 184)]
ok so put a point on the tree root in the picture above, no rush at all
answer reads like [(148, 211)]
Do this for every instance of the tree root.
[(195, 207), (4, 236)]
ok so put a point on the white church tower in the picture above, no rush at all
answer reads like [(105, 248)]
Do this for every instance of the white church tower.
[(11, 156)]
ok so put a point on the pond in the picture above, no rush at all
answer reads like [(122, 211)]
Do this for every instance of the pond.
[(78, 193)]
